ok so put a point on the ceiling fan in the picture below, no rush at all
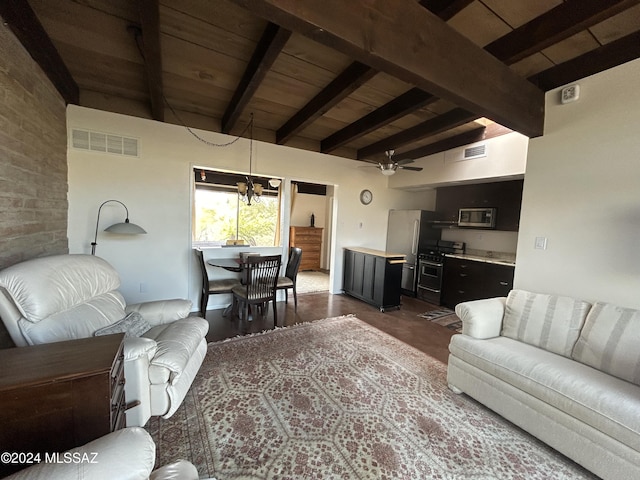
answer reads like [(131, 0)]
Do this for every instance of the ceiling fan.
[(390, 166)]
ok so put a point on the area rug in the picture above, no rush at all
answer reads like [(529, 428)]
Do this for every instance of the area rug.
[(339, 399), (311, 282), (445, 317)]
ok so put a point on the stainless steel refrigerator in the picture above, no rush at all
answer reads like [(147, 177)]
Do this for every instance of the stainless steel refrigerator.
[(410, 232)]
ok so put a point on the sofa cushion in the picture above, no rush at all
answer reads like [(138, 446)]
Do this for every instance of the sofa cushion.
[(132, 325), (598, 399), (550, 322), (610, 341)]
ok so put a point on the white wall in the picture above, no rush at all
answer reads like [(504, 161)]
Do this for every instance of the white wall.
[(157, 189), (582, 192)]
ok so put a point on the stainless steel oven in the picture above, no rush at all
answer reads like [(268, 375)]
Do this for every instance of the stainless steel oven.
[(430, 280)]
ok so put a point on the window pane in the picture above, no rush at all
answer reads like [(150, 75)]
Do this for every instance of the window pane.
[(217, 213)]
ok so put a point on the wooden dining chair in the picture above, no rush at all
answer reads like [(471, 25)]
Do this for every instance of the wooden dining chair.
[(290, 275), (212, 287), (259, 288)]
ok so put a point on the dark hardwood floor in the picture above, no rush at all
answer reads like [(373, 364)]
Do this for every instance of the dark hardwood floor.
[(403, 324)]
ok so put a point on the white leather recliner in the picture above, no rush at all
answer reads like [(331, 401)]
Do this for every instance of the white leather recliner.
[(127, 454), (64, 297)]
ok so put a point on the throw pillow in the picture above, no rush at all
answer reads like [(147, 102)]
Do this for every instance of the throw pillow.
[(550, 322), (133, 325), (609, 341)]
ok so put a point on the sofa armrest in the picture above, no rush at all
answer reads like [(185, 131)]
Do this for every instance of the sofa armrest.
[(482, 318), (160, 312), (136, 347), (127, 454), (180, 470)]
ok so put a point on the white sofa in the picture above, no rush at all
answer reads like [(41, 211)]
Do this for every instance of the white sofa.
[(562, 369), (127, 454), (65, 297)]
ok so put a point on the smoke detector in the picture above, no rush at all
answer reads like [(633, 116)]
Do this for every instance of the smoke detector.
[(570, 94)]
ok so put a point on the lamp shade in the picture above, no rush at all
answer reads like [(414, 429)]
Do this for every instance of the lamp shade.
[(126, 228)]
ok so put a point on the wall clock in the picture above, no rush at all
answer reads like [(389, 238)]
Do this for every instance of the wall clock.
[(365, 197)]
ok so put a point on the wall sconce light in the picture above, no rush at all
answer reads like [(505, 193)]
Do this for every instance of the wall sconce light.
[(125, 228)]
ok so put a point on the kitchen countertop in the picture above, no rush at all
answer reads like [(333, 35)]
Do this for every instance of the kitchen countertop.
[(499, 260), (377, 253)]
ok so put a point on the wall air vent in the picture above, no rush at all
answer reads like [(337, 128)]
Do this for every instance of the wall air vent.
[(478, 151), (104, 142)]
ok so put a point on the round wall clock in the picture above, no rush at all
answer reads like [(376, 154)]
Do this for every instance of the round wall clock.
[(366, 196)]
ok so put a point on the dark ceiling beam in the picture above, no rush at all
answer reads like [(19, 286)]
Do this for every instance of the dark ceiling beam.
[(24, 24), (410, 43), (406, 103), (340, 87), (608, 56), (465, 138), (445, 9), (559, 23), (269, 47), (452, 119), (149, 11)]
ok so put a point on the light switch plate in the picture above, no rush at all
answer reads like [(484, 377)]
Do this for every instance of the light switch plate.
[(541, 243)]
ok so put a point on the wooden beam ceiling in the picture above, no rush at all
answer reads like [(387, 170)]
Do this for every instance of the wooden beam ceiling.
[(556, 25), (269, 47), (341, 87), (445, 9), (149, 11), (418, 53), (607, 56), (24, 24), (453, 118), (406, 103)]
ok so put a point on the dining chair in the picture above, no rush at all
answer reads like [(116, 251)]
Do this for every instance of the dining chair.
[(212, 287), (290, 275), (259, 287)]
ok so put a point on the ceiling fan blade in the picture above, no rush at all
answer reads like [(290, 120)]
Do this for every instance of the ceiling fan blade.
[(415, 169), (405, 161)]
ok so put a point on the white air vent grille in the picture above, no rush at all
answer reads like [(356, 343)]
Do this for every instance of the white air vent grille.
[(478, 151), (104, 142)]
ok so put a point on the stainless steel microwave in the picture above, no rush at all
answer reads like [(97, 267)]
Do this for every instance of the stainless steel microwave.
[(477, 217)]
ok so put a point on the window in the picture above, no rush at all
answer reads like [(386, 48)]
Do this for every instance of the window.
[(221, 217)]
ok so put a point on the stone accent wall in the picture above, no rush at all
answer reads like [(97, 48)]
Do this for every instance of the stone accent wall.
[(33, 158)]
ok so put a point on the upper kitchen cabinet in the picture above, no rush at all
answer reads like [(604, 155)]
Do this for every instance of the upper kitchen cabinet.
[(505, 197)]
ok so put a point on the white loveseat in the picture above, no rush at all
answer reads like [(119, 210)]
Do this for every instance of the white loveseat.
[(562, 369), (65, 297)]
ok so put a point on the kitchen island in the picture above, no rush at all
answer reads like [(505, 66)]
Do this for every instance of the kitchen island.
[(373, 276)]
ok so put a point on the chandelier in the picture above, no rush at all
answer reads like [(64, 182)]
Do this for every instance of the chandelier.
[(247, 190)]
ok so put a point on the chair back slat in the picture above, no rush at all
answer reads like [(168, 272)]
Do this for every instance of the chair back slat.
[(262, 276)]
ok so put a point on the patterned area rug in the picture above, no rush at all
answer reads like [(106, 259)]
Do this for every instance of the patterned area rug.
[(339, 399), (445, 317), (311, 282)]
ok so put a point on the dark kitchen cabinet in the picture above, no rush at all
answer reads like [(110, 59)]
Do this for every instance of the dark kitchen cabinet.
[(373, 276), (465, 280), (506, 197)]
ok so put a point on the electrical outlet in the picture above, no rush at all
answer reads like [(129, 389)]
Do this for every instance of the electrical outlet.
[(541, 243)]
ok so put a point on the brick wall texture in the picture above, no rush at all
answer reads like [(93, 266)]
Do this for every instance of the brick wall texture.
[(33, 158)]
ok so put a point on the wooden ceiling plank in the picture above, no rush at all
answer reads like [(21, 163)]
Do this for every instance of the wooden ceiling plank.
[(459, 140), (269, 47), (404, 104), (608, 56), (343, 85), (447, 121), (556, 25), (24, 24), (418, 53), (149, 11), (445, 9)]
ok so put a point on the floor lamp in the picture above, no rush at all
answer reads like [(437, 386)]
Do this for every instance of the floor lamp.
[(126, 227)]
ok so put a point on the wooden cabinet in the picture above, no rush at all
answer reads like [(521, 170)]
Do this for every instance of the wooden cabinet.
[(309, 239), (506, 197), (466, 280), (57, 396), (374, 277)]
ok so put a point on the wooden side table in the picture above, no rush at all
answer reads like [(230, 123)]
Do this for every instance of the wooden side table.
[(57, 396)]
